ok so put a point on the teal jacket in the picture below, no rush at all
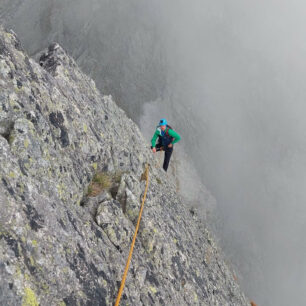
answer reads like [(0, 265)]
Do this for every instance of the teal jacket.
[(171, 132)]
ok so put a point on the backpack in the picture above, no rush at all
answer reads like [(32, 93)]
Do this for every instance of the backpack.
[(166, 135)]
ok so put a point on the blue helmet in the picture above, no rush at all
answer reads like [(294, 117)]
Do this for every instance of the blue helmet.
[(163, 122)]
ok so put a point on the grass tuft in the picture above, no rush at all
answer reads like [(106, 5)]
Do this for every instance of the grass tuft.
[(104, 181), (101, 181)]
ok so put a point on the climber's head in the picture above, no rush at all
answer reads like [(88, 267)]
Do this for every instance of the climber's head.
[(163, 124)]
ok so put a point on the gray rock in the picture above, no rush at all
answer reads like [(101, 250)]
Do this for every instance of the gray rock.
[(59, 246)]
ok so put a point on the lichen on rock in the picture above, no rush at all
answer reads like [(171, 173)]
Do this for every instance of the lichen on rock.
[(29, 298)]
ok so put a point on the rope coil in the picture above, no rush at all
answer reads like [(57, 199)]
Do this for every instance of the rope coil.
[(134, 238)]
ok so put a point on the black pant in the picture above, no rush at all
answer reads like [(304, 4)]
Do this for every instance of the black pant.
[(168, 153)]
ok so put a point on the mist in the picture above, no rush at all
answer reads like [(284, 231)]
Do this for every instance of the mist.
[(229, 77)]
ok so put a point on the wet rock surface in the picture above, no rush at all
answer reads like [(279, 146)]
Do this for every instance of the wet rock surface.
[(57, 245)]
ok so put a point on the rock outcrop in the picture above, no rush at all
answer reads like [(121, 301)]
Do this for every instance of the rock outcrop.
[(58, 245)]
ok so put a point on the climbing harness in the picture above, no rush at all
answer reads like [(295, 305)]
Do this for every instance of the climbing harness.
[(134, 238)]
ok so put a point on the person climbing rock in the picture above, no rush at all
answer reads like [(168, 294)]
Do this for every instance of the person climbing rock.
[(167, 137)]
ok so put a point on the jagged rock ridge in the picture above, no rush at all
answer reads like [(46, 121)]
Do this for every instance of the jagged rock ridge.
[(58, 246)]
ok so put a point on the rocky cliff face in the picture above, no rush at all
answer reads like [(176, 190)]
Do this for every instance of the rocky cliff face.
[(58, 245)]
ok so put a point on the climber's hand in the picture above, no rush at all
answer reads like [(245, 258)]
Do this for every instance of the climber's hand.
[(170, 145), (154, 150)]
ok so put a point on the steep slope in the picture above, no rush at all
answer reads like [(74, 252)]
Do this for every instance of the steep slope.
[(59, 246)]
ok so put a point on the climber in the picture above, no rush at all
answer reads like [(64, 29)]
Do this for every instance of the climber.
[(167, 137)]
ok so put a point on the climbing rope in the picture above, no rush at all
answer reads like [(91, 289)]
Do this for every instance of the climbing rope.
[(134, 238)]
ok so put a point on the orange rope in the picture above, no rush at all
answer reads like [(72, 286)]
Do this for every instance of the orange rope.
[(134, 239)]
